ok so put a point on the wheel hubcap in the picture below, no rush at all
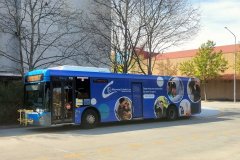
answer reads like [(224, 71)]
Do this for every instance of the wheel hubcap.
[(91, 119), (172, 114)]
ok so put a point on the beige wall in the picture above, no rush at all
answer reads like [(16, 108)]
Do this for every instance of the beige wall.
[(228, 56), (176, 61), (221, 90)]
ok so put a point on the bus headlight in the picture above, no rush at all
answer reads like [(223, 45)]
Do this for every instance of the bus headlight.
[(39, 110)]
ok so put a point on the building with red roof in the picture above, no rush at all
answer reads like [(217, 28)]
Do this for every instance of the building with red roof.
[(220, 88)]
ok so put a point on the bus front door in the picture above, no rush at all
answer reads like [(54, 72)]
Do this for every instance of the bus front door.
[(137, 100), (62, 101)]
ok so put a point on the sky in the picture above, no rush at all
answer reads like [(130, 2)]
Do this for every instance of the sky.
[(215, 15)]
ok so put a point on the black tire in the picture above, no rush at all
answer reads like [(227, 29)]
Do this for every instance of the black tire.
[(172, 113), (90, 119)]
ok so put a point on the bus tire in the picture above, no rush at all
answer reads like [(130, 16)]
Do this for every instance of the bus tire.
[(172, 113), (90, 119)]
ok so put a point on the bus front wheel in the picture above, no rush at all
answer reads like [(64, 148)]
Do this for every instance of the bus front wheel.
[(172, 113), (90, 119)]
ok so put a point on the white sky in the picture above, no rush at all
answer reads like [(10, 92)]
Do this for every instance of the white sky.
[(215, 15)]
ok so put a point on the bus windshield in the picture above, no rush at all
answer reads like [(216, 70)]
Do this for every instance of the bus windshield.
[(34, 96)]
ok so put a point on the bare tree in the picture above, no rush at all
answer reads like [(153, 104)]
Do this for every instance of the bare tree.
[(166, 68), (44, 30), (167, 23), (10, 23), (124, 31), (153, 25)]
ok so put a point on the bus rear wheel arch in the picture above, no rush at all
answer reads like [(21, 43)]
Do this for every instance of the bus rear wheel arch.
[(172, 113), (90, 118)]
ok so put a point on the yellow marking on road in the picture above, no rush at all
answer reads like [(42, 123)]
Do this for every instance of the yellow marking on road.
[(42, 158), (227, 133), (211, 135), (179, 139), (159, 142), (73, 155), (104, 150), (135, 145), (196, 137)]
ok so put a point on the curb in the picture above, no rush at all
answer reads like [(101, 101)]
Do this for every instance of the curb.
[(11, 126)]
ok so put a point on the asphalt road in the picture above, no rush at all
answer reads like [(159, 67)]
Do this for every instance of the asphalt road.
[(212, 135)]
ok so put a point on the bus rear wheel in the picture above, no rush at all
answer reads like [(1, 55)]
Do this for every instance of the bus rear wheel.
[(172, 113), (90, 119)]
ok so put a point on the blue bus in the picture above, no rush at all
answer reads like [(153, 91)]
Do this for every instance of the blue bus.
[(88, 96)]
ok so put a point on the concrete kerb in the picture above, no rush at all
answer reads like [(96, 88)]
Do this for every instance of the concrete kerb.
[(216, 108), (9, 126), (219, 104)]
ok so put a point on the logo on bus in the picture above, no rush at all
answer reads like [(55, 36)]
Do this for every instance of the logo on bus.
[(107, 90)]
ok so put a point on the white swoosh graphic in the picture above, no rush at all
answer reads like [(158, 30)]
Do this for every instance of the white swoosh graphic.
[(108, 94)]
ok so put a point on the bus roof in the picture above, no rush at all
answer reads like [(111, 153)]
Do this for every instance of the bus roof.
[(47, 73), (81, 68)]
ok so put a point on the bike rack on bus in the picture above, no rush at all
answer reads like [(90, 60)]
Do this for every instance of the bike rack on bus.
[(23, 117)]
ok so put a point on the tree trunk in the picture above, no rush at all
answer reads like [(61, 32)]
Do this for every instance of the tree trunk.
[(204, 91), (125, 68), (150, 54), (21, 56), (150, 63)]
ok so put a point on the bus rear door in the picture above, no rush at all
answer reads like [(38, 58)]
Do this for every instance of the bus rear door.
[(137, 100)]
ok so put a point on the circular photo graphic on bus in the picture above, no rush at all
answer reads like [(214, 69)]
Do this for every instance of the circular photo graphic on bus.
[(175, 89), (123, 109), (160, 106), (193, 90), (185, 108), (160, 81)]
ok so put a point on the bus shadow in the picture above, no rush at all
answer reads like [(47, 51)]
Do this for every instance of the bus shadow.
[(147, 124), (118, 127)]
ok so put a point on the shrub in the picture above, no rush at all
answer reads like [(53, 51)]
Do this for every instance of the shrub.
[(11, 96)]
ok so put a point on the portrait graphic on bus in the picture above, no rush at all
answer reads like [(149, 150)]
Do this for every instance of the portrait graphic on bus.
[(123, 109), (185, 108), (160, 106), (193, 90), (175, 89)]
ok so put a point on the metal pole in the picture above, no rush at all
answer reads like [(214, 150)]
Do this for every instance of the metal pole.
[(235, 52)]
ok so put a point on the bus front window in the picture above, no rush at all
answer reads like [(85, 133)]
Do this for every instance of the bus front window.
[(34, 96)]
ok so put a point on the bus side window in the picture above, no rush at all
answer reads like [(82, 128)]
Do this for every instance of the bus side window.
[(82, 95), (83, 88)]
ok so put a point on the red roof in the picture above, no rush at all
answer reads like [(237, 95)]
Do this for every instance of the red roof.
[(186, 53), (177, 54), (228, 77), (191, 53), (145, 54)]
